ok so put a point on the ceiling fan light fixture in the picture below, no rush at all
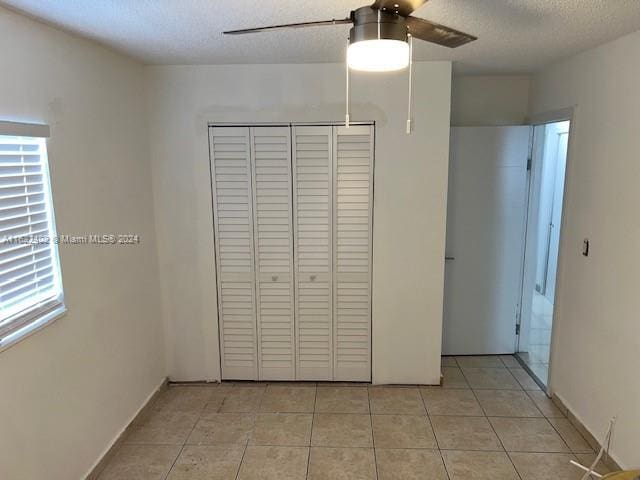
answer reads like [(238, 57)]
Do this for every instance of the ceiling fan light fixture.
[(381, 39), (378, 55)]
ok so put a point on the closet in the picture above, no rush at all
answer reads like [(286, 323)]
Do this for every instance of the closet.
[(293, 227)]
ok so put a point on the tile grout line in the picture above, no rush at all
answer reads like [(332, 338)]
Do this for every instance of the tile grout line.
[(225, 444), (244, 451), (246, 444), (563, 439), (433, 430), (542, 415), (424, 402), (365, 448), (570, 451), (186, 439), (559, 436), (444, 464), (174, 462), (493, 429), (373, 438), (537, 389), (313, 416), (528, 392)]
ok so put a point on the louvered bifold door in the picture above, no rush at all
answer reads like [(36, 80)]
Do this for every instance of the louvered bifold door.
[(352, 223), (312, 200), (271, 154), (233, 223)]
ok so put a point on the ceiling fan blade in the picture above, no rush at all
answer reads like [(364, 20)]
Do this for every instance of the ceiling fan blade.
[(435, 33), (290, 25), (401, 7)]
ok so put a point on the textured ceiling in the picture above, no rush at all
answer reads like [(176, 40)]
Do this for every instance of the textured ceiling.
[(515, 36)]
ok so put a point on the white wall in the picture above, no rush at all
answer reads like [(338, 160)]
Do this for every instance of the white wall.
[(595, 351), (69, 389), (478, 100), (409, 210)]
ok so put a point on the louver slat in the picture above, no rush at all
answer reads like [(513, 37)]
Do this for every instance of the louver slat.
[(233, 223), (312, 164), (273, 240), (353, 182)]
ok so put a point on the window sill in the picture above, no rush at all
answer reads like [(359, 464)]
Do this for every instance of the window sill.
[(32, 327)]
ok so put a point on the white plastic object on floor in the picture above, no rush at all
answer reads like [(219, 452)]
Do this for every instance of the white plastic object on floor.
[(589, 471), (586, 469)]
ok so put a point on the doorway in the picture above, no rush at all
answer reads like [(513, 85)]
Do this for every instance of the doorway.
[(486, 210), (542, 244)]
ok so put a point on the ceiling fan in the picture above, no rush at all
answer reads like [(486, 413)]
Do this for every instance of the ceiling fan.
[(381, 38), (381, 34)]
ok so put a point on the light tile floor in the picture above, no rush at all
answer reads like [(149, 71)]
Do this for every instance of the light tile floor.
[(489, 421)]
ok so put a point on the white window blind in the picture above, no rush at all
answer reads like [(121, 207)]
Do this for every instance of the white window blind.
[(30, 283)]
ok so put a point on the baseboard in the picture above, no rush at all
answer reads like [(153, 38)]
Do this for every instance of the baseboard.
[(584, 431), (108, 454)]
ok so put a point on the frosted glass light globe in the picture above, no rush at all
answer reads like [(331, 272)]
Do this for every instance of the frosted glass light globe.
[(378, 55)]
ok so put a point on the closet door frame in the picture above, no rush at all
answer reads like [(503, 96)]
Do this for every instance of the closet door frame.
[(231, 374)]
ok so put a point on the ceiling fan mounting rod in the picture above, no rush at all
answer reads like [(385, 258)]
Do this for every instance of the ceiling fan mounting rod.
[(410, 85), (346, 116)]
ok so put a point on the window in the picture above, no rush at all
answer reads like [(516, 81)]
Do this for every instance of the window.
[(30, 282)]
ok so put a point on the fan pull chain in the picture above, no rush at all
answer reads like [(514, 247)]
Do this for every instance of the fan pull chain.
[(346, 117), (410, 38)]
